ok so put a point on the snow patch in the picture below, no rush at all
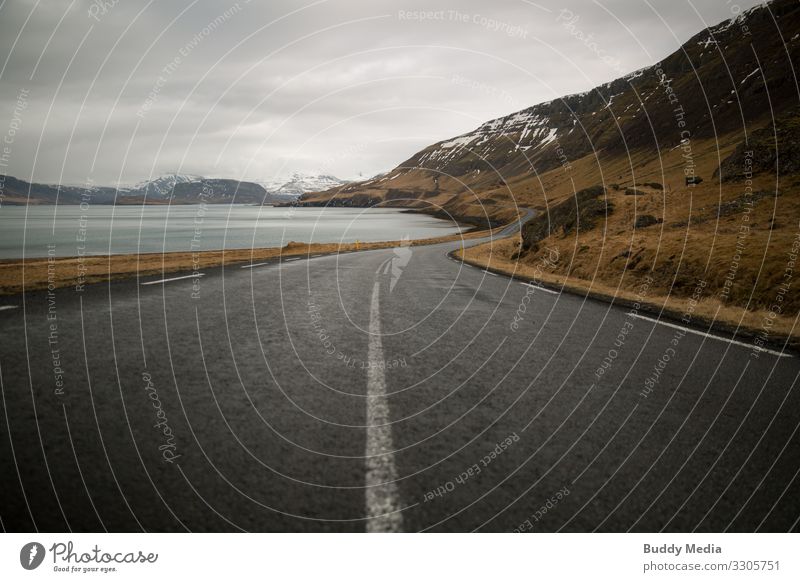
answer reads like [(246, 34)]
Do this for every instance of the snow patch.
[(707, 42), (550, 137), (459, 141), (750, 75)]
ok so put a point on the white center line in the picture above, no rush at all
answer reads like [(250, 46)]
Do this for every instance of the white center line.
[(383, 512), (195, 276), (290, 260), (715, 337), (5, 307), (254, 265)]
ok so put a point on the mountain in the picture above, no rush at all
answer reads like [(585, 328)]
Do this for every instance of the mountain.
[(703, 99), (19, 192), (160, 187), (221, 191), (167, 189), (299, 183)]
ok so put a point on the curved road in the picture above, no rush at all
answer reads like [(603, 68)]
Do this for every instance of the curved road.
[(385, 391)]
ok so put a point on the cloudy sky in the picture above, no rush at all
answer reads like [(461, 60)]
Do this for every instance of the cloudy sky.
[(121, 90)]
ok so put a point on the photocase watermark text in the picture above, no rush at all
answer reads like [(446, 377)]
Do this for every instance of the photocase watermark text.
[(569, 22), (168, 448)]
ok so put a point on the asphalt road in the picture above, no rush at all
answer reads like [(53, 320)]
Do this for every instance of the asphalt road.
[(385, 391)]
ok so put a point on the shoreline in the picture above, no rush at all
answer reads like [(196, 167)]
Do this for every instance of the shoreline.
[(21, 275)]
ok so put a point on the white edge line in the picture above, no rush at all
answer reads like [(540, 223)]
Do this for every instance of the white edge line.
[(540, 288), (715, 337), (174, 279), (7, 307)]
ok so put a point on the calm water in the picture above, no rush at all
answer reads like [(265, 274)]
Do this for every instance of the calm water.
[(146, 229)]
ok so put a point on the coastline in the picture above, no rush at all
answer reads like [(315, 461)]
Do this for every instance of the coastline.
[(20, 275)]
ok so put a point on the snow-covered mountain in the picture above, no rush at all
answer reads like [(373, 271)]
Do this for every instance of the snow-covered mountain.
[(300, 183), (173, 189), (167, 189), (160, 187)]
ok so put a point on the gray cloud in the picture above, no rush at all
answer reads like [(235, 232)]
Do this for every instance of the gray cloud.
[(120, 90)]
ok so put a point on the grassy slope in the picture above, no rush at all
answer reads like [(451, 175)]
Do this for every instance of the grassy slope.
[(694, 241)]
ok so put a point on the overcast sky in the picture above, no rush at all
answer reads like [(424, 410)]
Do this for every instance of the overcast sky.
[(121, 90)]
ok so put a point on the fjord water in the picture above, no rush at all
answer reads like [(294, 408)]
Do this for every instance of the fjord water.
[(100, 230)]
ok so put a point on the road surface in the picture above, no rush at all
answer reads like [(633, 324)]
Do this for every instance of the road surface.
[(388, 390)]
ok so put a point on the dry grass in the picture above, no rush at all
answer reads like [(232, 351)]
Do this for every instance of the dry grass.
[(490, 195), (694, 240), (710, 310)]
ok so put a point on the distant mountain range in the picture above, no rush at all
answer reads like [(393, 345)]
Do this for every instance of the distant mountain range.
[(167, 189)]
